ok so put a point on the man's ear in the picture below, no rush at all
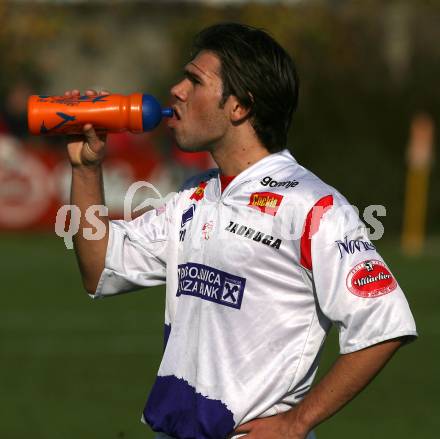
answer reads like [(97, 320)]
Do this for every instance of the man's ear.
[(238, 112)]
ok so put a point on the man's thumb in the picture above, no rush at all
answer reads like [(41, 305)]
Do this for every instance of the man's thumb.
[(91, 137)]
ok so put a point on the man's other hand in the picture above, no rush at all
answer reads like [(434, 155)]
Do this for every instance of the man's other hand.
[(281, 426)]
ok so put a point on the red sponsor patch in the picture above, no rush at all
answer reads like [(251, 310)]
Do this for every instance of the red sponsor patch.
[(199, 193), (370, 279), (266, 202)]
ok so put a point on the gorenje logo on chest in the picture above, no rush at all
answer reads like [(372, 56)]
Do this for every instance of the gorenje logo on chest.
[(255, 235), (269, 181)]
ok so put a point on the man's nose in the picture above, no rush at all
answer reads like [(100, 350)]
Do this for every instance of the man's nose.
[(179, 91)]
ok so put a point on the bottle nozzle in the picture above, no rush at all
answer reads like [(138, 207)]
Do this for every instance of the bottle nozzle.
[(167, 112)]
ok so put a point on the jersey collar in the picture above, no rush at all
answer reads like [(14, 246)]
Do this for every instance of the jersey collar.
[(266, 166)]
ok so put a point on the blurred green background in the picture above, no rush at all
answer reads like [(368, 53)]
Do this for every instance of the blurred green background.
[(76, 368), (71, 367)]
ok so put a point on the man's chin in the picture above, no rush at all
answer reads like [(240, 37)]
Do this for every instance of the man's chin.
[(183, 146)]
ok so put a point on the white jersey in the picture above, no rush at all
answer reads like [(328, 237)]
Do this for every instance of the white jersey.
[(255, 277)]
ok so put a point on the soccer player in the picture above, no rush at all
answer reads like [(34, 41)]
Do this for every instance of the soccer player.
[(260, 258)]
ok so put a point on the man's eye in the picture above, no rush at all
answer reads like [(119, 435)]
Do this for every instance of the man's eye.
[(192, 78)]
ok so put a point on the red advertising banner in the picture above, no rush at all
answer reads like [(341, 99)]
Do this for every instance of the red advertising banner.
[(35, 181)]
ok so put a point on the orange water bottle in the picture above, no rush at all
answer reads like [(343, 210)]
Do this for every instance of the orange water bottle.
[(113, 113)]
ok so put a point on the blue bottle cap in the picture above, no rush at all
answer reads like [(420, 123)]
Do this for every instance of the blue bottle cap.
[(151, 112), (167, 112)]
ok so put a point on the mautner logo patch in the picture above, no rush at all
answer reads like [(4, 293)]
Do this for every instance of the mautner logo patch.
[(255, 235), (266, 202), (210, 284), (370, 279)]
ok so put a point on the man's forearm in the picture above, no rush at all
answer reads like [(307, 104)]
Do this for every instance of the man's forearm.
[(346, 379), (87, 190)]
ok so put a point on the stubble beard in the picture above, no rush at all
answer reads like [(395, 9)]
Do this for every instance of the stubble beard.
[(198, 145), (189, 146)]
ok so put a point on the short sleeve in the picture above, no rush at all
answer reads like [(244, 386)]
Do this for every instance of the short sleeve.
[(354, 287), (136, 254)]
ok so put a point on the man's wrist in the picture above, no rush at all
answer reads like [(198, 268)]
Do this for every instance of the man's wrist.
[(299, 425), (89, 168)]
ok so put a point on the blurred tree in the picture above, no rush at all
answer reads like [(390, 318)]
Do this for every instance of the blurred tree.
[(359, 87)]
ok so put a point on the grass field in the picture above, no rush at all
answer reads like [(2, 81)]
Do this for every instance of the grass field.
[(76, 368)]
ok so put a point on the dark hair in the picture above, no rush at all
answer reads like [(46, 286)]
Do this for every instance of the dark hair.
[(259, 72)]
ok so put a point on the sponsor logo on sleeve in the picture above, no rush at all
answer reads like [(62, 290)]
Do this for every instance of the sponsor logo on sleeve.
[(210, 284), (370, 279), (199, 193), (353, 246), (266, 202), (255, 235), (269, 181)]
